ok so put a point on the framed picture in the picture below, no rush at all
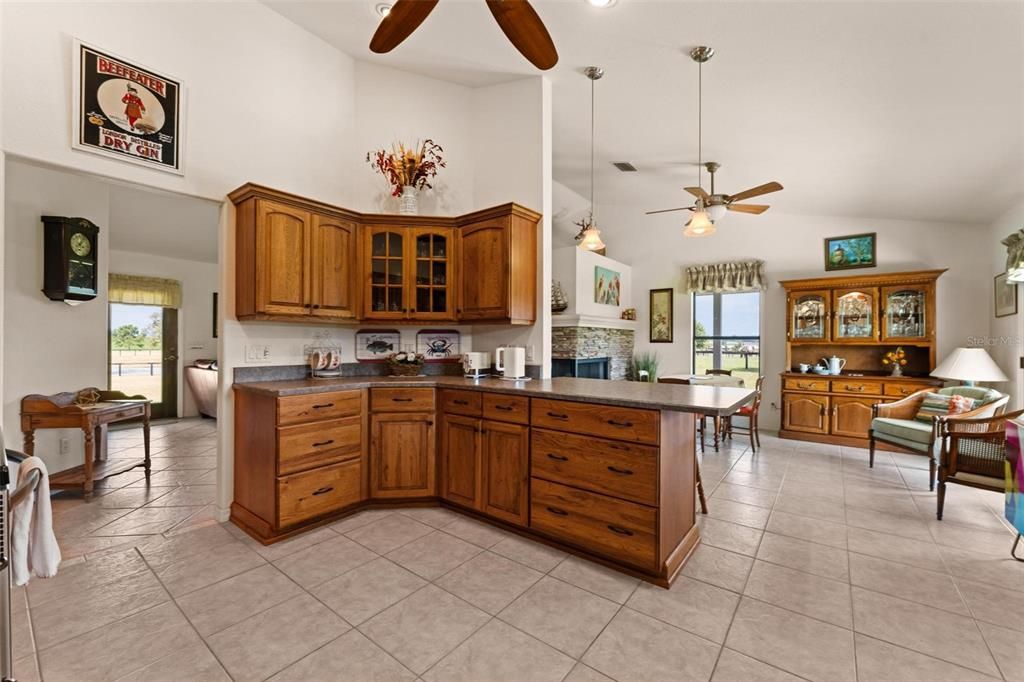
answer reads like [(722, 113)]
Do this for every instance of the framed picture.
[(1005, 296), (851, 251), (661, 316), (374, 345), (439, 345), (125, 111), (215, 314), (607, 286)]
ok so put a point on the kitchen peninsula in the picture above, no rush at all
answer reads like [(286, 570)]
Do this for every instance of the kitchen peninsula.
[(605, 469)]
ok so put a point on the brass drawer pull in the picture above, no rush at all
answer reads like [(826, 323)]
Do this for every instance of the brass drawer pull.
[(854, 388), (619, 530), (504, 408), (401, 400), (558, 512), (624, 425), (461, 402), (555, 415), (801, 384), (324, 490), (323, 443), (624, 472), (557, 458), (323, 407)]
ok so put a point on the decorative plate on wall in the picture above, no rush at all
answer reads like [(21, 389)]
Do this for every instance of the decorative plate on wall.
[(439, 345), (374, 345)]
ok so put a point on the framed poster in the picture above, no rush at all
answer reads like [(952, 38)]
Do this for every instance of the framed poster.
[(375, 345), (851, 251), (123, 110), (439, 345), (607, 286), (661, 316), (1005, 296)]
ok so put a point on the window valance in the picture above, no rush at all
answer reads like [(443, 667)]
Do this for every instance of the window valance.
[(144, 290), (726, 277), (1015, 256)]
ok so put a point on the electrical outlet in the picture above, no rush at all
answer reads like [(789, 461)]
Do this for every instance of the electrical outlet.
[(257, 353), (531, 353), (65, 446)]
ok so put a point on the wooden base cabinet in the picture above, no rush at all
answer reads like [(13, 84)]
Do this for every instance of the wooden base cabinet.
[(460, 454), (804, 412), (505, 450), (402, 445), (851, 417)]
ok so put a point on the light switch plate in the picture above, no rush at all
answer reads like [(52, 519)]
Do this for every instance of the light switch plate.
[(257, 353)]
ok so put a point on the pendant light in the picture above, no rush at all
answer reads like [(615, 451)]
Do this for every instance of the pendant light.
[(589, 236), (701, 224)]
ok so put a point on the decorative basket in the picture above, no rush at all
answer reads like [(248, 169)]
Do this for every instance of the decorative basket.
[(404, 369)]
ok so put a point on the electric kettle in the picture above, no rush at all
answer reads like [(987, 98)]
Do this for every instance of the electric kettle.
[(511, 361)]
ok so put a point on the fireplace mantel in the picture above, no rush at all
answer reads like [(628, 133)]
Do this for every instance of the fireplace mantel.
[(592, 321)]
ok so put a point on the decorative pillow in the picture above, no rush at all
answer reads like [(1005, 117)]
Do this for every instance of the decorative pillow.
[(939, 405)]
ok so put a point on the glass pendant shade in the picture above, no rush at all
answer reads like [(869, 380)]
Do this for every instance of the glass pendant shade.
[(699, 226), (716, 212), (591, 240)]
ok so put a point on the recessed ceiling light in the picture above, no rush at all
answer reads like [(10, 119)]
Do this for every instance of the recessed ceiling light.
[(602, 4), (383, 9)]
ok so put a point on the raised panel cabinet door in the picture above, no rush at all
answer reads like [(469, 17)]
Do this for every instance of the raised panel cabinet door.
[(402, 461), (852, 416), (506, 471), (282, 259), (385, 267), (484, 270), (460, 460), (808, 413), (333, 280), (808, 316), (432, 277)]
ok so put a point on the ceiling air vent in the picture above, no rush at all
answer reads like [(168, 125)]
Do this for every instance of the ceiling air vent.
[(624, 166)]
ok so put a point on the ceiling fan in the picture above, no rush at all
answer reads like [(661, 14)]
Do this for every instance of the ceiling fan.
[(717, 204), (517, 19)]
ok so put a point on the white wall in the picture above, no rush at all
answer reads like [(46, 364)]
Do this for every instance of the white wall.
[(195, 317), (791, 246), (1006, 335), (574, 268)]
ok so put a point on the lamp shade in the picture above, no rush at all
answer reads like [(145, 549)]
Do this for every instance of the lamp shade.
[(591, 239), (969, 364)]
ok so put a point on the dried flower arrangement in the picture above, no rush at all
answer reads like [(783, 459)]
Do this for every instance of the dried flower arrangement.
[(405, 363), (407, 167)]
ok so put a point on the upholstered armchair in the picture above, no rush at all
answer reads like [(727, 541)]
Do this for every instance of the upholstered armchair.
[(973, 453), (894, 423)]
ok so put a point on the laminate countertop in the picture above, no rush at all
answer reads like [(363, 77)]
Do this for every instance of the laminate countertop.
[(713, 400)]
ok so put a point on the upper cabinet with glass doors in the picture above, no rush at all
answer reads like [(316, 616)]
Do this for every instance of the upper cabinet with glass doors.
[(809, 315), (410, 273)]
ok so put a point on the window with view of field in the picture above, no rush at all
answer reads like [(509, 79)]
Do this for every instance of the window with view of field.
[(727, 334)]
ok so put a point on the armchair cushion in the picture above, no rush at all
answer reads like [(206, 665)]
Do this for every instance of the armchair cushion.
[(943, 404), (906, 432), (981, 395)]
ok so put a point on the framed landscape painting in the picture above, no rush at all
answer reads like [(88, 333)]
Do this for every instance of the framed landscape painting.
[(851, 251), (661, 316), (1005, 296)]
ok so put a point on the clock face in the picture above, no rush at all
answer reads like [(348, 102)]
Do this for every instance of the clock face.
[(80, 244)]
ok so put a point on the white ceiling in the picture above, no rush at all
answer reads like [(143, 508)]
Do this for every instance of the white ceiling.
[(899, 109), (163, 224)]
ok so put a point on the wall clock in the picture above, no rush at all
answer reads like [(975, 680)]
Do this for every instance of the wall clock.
[(70, 265)]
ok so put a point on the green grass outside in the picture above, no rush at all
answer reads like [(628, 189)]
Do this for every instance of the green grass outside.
[(735, 363)]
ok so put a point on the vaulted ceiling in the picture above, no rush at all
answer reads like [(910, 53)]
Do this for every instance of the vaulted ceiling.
[(898, 109)]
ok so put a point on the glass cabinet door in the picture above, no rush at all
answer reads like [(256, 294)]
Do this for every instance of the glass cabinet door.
[(808, 316), (855, 314), (387, 277), (904, 313), (432, 260)]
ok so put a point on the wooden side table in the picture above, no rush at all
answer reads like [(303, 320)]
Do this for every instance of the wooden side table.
[(91, 410)]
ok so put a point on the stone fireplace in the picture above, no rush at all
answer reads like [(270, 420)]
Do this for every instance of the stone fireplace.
[(578, 338)]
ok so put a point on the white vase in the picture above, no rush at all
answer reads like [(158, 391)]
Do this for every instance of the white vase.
[(407, 203)]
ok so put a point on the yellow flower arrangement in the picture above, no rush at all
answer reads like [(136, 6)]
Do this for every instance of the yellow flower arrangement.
[(897, 359)]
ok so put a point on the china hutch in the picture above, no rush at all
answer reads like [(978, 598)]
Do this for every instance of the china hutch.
[(857, 319), (301, 260)]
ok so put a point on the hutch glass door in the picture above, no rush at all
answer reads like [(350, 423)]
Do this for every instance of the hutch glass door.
[(904, 313), (808, 317), (855, 315)]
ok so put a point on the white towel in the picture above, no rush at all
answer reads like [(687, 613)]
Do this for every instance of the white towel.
[(34, 548)]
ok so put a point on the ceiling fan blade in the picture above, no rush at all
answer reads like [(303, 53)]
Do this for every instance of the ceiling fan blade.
[(525, 30), (404, 18), (670, 210), (697, 192), (766, 188), (748, 208)]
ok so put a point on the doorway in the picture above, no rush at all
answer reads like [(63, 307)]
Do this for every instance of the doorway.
[(143, 354)]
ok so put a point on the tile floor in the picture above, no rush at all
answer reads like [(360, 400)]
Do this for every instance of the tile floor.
[(812, 567)]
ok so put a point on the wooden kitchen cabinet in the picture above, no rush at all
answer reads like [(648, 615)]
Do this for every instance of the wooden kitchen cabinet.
[(402, 455), (498, 266), (460, 460), (505, 450), (852, 416), (805, 412), (282, 249), (333, 279), (409, 273)]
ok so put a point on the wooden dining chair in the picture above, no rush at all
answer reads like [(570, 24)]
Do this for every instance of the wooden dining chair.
[(700, 429), (750, 411), (719, 372)]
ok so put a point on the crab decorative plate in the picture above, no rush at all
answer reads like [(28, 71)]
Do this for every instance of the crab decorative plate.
[(439, 345)]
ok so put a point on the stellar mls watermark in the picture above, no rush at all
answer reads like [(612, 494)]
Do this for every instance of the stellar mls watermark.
[(990, 341)]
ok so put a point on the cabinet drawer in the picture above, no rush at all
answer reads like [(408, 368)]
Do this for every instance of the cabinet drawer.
[(601, 524), (901, 390), (794, 384), (318, 491), (615, 469), (402, 399), (296, 409), (312, 445), (460, 402), (855, 386), (506, 408), (623, 423)]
